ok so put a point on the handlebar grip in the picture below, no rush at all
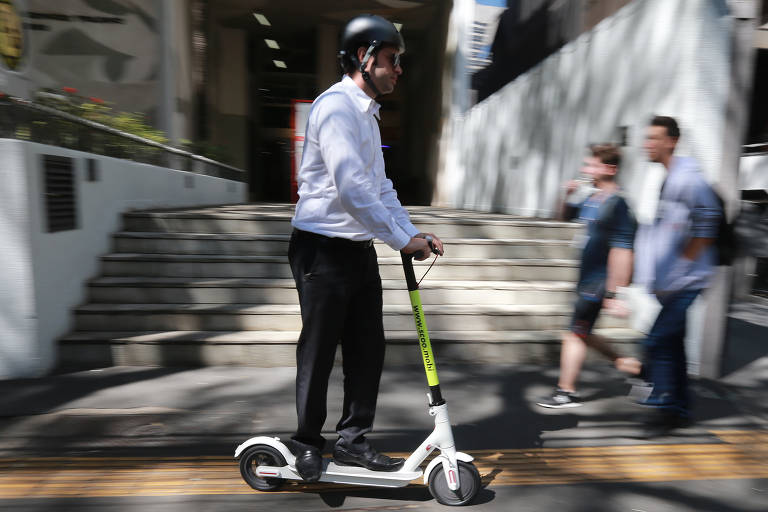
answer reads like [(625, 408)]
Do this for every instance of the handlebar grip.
[(432, 247), (415, 255), (420, 254)]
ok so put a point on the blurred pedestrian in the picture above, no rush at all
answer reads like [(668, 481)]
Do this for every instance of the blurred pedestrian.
[(606, 265), (346, 200), (679, 253)]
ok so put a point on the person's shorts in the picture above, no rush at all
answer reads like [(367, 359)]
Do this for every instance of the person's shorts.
[(584, 316)]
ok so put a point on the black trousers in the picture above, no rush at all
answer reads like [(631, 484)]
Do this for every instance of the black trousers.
[(341, 302)]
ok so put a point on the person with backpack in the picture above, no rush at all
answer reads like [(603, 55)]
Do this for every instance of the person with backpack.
[(606, 264), (679, 256)]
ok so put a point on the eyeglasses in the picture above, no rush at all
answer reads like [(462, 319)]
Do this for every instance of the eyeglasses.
[(394, 58)]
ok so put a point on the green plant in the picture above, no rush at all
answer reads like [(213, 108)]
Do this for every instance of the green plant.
[(97, 110), (207, 149)]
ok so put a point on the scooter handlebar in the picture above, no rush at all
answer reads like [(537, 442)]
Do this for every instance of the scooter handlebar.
[(419, 254)]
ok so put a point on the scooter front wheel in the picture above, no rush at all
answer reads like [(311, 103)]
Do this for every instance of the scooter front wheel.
[(469, 485), (261, 455)]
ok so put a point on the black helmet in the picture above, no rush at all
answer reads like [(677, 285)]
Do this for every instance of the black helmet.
[(370, 31)]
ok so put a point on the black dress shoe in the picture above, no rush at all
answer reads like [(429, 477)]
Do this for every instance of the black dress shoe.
[(309, 465), (369, 459), (660, 424)]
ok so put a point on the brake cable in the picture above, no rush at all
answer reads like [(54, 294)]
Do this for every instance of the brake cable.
[(428, 269)]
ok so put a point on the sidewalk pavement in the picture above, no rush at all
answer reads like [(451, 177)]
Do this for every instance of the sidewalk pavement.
[(208, 411)]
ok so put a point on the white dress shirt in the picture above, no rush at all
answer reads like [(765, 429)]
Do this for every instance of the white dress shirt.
[(343, 190)]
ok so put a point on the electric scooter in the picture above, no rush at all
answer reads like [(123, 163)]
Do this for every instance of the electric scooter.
[(265, 462)]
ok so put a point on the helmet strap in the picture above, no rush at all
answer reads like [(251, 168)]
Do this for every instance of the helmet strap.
[(366, 76)]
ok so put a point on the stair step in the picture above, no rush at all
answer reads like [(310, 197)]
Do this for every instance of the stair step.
[(255, 219), (163, 290), (212, 285), (266, 245), (290, 337), (224, 266), (286, 317), (265, 348), (201, 243)]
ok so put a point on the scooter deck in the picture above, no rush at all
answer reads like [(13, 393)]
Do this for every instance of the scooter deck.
[(336, 473)]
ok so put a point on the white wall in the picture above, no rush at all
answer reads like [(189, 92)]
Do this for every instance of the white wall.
[(511, 152), (18, 342), (47, 271)]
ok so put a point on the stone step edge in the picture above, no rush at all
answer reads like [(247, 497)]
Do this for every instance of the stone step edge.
[(293, 309), (290, 337), (215, 258), (387, 284), (158, 235), (470, 220)]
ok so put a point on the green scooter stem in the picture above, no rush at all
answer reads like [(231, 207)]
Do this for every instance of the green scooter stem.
[(425, 345)]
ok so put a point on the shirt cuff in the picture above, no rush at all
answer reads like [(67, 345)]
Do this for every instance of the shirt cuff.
[(398, 240), (411, 230)]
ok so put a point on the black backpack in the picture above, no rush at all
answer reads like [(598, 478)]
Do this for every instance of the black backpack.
[(726, 242)]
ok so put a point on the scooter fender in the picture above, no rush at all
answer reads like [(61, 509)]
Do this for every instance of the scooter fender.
[(274, 442), (439, 460)]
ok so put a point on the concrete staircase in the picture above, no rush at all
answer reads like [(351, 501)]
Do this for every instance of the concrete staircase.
[(212, 286)]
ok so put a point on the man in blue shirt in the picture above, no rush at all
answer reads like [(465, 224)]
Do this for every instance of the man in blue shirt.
[(606, 263), (677, 258)]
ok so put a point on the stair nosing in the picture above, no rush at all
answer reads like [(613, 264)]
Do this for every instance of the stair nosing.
[(293, 309), (415, 218), (155, 235), (393, 336), (387, 284), (386, 260)]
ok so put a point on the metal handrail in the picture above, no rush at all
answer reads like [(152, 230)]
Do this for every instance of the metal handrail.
[(204, 165)]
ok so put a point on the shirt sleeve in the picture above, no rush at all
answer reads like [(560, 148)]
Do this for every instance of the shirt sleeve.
[(705, 210), (623, 230), (390, 200), (341, 141)]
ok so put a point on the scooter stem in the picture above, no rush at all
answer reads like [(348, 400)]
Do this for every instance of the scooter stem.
[(430, 367)]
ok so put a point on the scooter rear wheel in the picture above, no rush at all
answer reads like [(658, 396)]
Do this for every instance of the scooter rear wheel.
[(469, 485), (260, 455)]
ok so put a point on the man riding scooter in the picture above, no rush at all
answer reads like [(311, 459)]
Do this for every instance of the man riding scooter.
[(345, 201)]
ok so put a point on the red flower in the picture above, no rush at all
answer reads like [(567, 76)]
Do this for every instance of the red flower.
[(95, 99), (70, 90)]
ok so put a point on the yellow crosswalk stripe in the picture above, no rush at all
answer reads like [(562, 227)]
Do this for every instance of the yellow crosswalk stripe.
[(740, 455)]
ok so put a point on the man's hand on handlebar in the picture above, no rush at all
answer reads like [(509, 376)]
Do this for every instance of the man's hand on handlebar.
[(419, 246), (436, 242)]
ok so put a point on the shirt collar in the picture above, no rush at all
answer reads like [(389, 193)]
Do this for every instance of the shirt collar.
[(680, 164), (364, 102)]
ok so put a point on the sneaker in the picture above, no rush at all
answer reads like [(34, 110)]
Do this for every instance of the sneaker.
[(560, 400)]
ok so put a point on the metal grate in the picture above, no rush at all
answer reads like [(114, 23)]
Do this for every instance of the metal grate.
[(60, 198)]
